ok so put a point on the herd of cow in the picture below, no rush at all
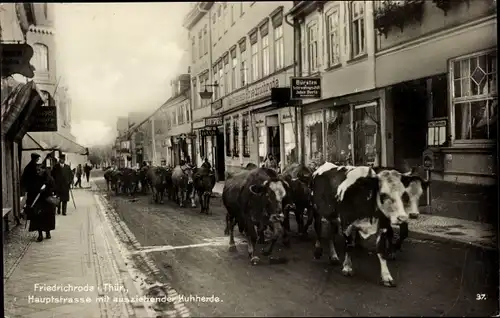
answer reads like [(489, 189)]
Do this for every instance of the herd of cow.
[(357, 201), (179, 184)]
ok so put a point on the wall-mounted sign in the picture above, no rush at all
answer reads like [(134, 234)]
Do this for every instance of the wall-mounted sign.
[(253, 92), (16, 60), (428, 159), (44, 119), (306, 87), (209, 132), (217, 104), (436, 132), (213, 121)]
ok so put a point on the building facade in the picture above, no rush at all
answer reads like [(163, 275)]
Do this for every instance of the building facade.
[(246, 44), (336, 44), (19, 99), (447, 101), (42, 38)]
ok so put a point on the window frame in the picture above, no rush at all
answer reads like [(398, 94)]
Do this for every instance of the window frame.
[(352, 21), (244, 72), (41, 57), (254, 53), (234, 74), (227, 88), (200, 43), (246, 127), (221, 81), (236, 136), (330, 48), (193, 49), (205, 39), (279, 48), (453, 101), (227, 136), (266, 62), (312, 25)]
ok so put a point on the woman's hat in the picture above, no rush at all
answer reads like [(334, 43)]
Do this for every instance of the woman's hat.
[(34, 156)]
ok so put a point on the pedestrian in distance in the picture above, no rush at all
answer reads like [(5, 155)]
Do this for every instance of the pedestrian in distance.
[(29, 173), (79, 172), (206, 164), (41, 203), (63, 178), (73, 173), (87, 170)]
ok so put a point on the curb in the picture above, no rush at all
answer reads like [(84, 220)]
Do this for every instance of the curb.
[(425, 236)]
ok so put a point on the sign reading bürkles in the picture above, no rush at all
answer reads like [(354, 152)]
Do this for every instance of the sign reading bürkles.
[(306, 87)]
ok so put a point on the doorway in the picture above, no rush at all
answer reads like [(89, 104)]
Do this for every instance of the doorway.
[(409, 102), (273, 141), (220, 164)]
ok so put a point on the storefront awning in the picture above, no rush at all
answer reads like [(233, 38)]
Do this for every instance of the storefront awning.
[(18, 102), (52, 141)]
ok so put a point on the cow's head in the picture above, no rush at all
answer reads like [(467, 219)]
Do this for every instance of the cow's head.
[(273, 191), (415, 187), (189, 173), (390, 196)]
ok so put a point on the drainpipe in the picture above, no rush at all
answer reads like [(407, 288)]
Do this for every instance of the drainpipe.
[(297, 57)]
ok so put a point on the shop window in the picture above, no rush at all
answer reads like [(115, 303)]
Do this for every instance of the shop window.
[(474, 96), (357, 28), (338, 136), (313, 126), (262, 143), (208, 149), (236, 135), (366, 135), (228, 138), (291, 155), (246, 136)]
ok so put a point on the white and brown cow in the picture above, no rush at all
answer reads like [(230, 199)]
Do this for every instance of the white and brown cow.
[(357, 200)]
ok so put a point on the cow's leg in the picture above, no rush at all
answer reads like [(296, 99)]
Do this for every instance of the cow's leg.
[(180, 196), (403, 234), (231, 220), (385, 274), (199, 193), (310, 219), (334, 258), (347, 264), (389, 235), (318, 250), (228, 222), (299, 218), (191, 194), (161, 196), (207, 203), (252, 242), (286, 226)]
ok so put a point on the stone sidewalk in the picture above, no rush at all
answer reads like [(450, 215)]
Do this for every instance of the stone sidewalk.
[(442, 228), (70, 274)]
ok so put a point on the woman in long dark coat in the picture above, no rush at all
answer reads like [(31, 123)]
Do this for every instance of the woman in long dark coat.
[(43, 214)]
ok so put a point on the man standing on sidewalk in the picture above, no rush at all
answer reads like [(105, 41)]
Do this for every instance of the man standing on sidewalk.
[(63, 178), (78, 182), (86, 169)]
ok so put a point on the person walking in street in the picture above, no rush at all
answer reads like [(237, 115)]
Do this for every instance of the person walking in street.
[(79, 176), (271, 163), (63, 178), (41, 213), (206, 164), (87, 170)]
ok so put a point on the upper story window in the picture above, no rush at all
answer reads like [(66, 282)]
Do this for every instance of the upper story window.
[(217, 81), (45, 10), (234, 77), (220, 24), (196, 95), (265, 55), (312, 43), (333, 37), (200, 43), (357, 28), (241, 8), (243, 64), (279, 48), (205, 39), (227, 83), (474, 96), (255, 61), (227, 17), (232, 13), (180, 115), (40, 57), (221, 81), (193, 49)]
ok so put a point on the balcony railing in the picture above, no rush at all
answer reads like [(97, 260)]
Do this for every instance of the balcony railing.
[(391, 14)]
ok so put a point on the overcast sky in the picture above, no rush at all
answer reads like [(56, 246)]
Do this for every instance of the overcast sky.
[(116, 58)]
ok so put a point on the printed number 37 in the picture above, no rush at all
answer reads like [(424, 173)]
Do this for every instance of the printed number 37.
[(480, 296)]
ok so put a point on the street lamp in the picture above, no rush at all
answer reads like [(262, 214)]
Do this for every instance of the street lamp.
[(206, 94)]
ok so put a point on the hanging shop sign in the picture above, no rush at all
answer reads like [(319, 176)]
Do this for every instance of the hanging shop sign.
[(213, 121), (305, 87), (44, 119), (209, 132)]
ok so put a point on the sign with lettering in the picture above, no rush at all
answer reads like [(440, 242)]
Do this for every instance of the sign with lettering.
[(45, 119), (209, 132), (428, 159), (217, 104), (306, 87), (16, 60), (213, 121), (253, 92)]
